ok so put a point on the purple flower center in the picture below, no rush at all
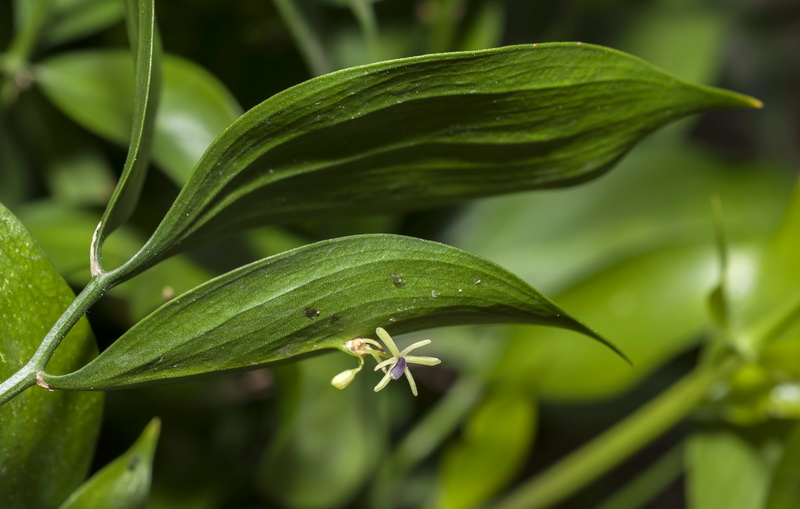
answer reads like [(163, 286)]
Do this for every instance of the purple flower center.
[(398, 368)]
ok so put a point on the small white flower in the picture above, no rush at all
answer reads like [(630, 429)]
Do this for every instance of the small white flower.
[(394, 367), (400, 360)]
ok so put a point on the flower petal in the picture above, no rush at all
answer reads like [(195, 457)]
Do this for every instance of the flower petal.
[(425, 361)]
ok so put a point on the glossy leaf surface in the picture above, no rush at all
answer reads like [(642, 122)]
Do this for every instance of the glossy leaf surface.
[(95, 88), (125, 482), (312, 298), (46, 438), (423, 131)]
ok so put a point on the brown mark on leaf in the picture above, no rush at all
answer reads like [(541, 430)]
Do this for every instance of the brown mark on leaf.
[(311, 313), (335, 318)]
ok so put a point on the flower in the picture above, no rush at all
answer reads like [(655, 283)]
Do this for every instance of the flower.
[(394, 367), (400, 360)]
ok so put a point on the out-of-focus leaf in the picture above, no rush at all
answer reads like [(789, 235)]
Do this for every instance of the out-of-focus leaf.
[(764, 294), (784, 493), (485, 29), (347, 49), (661, 182), (312, 298), (94, 87), (65, 234), (628, 302), (306, 35), (125, 482), (328, 441), (30, 18), (616, 257), (731, 468), (649, 483), (80, 176), (46, 438), (781, 357), (755, 394), (428, 130), (13, 172), (73, 19), (494, 445), (685, 37)]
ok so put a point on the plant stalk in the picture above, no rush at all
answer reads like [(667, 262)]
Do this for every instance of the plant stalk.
[(615, 445), (27, 375), (309, 44)]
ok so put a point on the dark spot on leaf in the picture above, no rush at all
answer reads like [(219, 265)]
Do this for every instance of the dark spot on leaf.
[(311, 313), (133, 462), (335, 318), (397, 280)]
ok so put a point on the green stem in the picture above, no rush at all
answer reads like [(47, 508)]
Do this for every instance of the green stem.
[(88, 296), (16, 383), (365, 15), (27, 375), (647, 485), (14, 63), (615, 445), (446, 17), (307, 42), (425, 437)]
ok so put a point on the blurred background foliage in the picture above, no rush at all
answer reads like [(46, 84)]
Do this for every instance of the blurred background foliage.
[(633, 254)]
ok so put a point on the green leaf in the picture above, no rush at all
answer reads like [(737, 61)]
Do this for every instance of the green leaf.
[(317, 423), (648, 483), (495, 444), (425, 131), (622, 272), (784, 493), (46, 438), (620, 300), (312, 298), (125, 482), (30, 18), (65, 235), (685, 37), (95, 88), (661, 182), (142, 33), (73, 19), (764, 291), (731, 468)]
